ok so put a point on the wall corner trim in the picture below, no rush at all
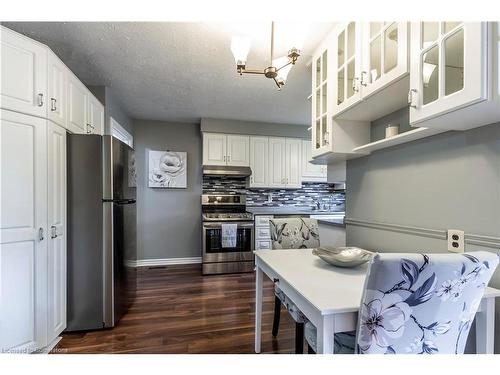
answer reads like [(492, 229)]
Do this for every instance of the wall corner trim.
[(164, 262)]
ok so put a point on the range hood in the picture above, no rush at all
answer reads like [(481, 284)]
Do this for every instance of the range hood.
[(226, 170)]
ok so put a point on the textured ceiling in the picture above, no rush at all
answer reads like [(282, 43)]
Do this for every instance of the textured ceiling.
[(179, 71)]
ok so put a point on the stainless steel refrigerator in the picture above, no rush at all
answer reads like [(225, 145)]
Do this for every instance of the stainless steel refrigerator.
[(101, 231)]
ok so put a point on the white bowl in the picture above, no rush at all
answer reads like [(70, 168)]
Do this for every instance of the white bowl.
[(343, 256)]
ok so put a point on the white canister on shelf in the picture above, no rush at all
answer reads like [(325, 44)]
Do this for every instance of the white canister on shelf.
[(391, 130)]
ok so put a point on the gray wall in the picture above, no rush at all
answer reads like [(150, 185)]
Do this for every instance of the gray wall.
[(168, 220), (448, 181), (112, 109), (254, 128)]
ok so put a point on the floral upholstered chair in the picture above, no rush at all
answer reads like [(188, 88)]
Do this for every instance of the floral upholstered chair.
[(292, 233), (417, 304)]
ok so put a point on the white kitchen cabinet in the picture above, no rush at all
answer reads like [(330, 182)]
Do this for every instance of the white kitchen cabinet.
[(277, 162), (347, 42), (311, 172), (24, 237), (259, 162), (95, 116), (238, 150), (321, 117), (226, 149), (214, 149), (24, 74), (56, 236), (285, 163), (293, 162), (453, 65), (57, 106), (77, 105)]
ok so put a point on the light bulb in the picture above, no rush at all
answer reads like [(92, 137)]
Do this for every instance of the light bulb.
[(283, 72), (240, 45)]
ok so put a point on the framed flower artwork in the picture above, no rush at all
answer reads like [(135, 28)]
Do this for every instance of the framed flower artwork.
[(167, 169)]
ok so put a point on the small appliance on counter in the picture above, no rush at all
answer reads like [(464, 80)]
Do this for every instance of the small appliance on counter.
[(221, 255)]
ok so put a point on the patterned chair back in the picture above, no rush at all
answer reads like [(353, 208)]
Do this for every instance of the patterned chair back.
[(294, 233), (416, 303)]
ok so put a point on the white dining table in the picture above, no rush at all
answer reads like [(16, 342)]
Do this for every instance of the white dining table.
[(330, 296)]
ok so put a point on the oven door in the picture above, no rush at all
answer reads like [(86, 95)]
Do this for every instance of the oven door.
[(212, 243)]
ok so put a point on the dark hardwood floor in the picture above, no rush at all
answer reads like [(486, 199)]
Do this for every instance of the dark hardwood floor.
[(177, 310)]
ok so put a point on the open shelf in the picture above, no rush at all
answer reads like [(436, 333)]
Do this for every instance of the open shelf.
[(408, 136)]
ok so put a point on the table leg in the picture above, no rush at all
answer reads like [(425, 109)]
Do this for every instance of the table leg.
[(485, 327), (325, 335), (258, 308)]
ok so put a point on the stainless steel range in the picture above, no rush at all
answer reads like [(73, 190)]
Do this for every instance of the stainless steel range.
[(218, 210)]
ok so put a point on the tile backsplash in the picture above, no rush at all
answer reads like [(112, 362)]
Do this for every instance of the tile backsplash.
[(307, 196)]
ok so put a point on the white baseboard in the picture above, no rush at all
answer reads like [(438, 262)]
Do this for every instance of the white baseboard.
[(165, 262)]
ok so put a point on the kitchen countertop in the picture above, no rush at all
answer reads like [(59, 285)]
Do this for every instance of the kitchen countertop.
[(284, 210)]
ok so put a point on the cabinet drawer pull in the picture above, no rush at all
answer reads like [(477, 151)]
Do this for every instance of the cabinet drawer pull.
[(363, 74), (276, 280), (53, 232), (410, 98), (40, 100), (53, 104)]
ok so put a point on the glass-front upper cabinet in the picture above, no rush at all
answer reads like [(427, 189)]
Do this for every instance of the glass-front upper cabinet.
[(385, 55), (448, 67), (347, 65), (320, 101)]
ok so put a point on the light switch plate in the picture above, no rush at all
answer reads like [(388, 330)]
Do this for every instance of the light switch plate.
[(456, 241)]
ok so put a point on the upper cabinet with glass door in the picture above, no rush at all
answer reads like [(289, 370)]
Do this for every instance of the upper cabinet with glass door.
[(347, 65), (321, 116), (372, 58), (453, 65)]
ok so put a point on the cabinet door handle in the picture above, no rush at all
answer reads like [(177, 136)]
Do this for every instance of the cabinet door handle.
[(40, 234), (363, 74), (40, 99), (53, 232), (410, 98), (229, 158), (53, 104), (355, 84), (90, 128)]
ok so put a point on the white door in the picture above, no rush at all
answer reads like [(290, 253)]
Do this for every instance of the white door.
[(23, 232), (77, 105), (259, 161), (277, 162), (347, 63), (95, 116), (385, 55), (448, 67), (311, 172), (214, 149), (56, 237), (24, 74), (293, 163), (56, 90), (238, 150)]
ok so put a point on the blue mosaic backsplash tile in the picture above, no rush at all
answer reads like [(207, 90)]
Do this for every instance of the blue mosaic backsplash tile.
[(307, 196)]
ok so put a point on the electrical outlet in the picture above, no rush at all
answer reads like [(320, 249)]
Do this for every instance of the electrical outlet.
[(456, 241)]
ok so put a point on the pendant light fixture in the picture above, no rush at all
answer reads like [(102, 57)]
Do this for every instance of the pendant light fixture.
[(277, 70)]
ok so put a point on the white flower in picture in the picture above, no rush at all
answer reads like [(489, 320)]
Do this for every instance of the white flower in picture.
[(167, 169)]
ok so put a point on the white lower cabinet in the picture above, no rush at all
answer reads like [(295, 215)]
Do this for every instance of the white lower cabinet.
[(23, 240), (262, 232), (32, 265), (56, 236)]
